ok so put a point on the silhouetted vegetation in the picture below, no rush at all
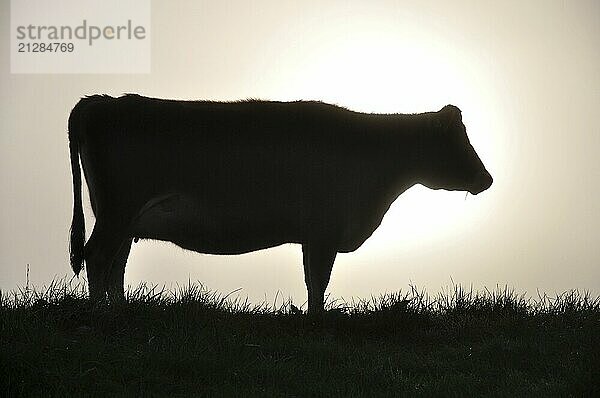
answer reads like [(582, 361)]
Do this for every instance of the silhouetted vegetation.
[(193, 342)]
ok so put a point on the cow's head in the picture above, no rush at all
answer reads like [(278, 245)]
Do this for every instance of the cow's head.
[(448, 160)]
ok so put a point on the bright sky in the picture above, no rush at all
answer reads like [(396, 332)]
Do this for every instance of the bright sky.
[(526, 75)]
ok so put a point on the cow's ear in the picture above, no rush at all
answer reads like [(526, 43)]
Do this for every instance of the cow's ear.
[(448, 117)]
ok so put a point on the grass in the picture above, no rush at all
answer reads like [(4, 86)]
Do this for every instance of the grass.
[(193, 342)]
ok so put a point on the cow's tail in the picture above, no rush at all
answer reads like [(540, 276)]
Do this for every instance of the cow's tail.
[(77, 242)]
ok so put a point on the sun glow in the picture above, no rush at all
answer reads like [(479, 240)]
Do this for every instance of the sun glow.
[(382, 73)]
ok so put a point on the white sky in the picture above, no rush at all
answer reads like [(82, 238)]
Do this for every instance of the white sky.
[(526, 75)]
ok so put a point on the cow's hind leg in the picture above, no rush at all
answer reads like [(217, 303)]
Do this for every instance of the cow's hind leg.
[(116, 278), (318, 262), (100, 252)]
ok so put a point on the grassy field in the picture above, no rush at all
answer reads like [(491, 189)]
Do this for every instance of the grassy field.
[(192, 342)]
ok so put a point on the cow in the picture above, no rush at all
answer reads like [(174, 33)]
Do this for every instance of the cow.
[(235, 177)]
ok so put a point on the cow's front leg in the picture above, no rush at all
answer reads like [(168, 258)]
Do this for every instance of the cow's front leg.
[(318, 262)]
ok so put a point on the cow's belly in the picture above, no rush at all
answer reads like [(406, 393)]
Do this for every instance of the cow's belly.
[(192, 225), (238, 228)]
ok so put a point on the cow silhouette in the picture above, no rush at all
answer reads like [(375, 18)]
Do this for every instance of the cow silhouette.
[(235, 177)]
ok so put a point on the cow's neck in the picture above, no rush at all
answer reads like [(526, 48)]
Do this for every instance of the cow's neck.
[(402, 154)]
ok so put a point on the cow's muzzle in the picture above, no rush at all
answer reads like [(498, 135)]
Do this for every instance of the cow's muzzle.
[(482, 181)]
